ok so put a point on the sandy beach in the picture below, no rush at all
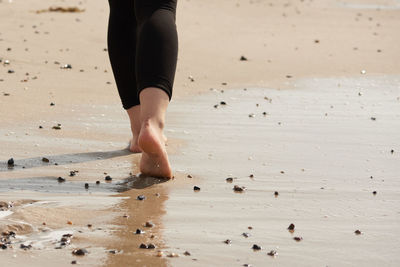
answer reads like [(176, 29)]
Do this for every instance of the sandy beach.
[(295, 103)]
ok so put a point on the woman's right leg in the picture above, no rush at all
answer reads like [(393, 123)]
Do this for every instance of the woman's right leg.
[(122, 29)]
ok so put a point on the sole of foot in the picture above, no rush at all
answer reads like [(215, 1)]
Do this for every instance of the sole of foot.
[(154, 161)]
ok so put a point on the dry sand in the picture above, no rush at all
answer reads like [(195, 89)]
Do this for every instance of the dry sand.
[(326, 74)]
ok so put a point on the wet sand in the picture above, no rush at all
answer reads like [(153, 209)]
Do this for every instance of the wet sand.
[(325, 73)]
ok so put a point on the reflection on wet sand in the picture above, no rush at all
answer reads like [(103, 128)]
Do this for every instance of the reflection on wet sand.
[(136, 213)]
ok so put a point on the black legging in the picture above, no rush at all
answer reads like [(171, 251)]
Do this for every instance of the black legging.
[(143, 46)]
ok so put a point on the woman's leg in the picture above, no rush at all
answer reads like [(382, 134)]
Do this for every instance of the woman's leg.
[(156, 56), (122, 30)]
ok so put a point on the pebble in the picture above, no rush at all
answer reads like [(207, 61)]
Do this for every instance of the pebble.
[(86, 185), (144, 246), (246, 235), (79, 252), (272, 253), (298, 238), (291, 227), (173, 255), (141, 197), (252, 115), (187, 253), (189, 176), (97, 182), (276, 193), (72, 173), (256, 247), (222, 103), (392, 151), (229, 180), (139, 232), (237, 188), (373, 118), (45, 160), (52, 104), (66, 66), (10, 162), (196, 188), (243, 58), (357, 232), (108, 178), (151, 246), (74, 262), (61, 180), (228, 241), (11, 71), (374, 192), (149, 224), (160, 254), (25, 247)]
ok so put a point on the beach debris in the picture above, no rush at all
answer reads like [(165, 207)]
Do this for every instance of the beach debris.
[(243, 58), (80, 252), (144, 246), (246, 235), (276, 193), (125, 216), (250, 227), (316, 41), (373, 119), (247, 265), (272, 253), (191, 78), (45, 160), (298, 238), (72, 173), (229, 180), (61, 9), (252, 115), (357, 232), (392, 151), (57, 127), (69, 222), (289, 76), (239, 189), (223, 103), (215, 106), (363, 71), (265, 113), (86, 185), (5, 206), (74, 262), (10, 162), (141, 197), (374, 192), (187, 253), (97, 182), (52, 104), (25, 247), (61, 180), (173, 255), (6, 94), (11, 71), (228, 241), (189, 176), (89, 225), (251, 175), (291, 228), (256, 247), (160, 254), (149, 224), (40, 127), (108, 178), (196, 188), (66, 66), (139, 232), (151, 246)]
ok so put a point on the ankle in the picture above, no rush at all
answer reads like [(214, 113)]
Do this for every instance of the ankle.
[(157, 123)]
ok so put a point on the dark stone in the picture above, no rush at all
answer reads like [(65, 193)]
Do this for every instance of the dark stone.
[(45, 160), (196, 188), (143, 246), (189, 176), (61, 180), (40, 127), (291, 227), (373, 118), (222, 103), (72, 173), (25, 247), (240, 189), (298, 238), (74, 262), (10, 162), (11, 71), (228, 241), (108, 178), (86, 185), (139, 232), (374, 192), (243, 58), (357, 232), (276, 193), (229, 180), (246, 235), (141, 197), (256, 247), (149, 224), (80, 252), (392, 151), (272, 253), (97, 182), (52, 104), (151, 246), (187, 253)]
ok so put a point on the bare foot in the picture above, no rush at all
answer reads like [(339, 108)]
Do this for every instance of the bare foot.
[(134, 146), (154, 161)]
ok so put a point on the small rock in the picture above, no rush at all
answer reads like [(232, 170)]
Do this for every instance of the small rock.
[(228, 241), (66, 66), (250, 227), (357, 232), (291, 227), (57, 127), (149, 224), (223, 103), (11, 71), (173, 255), (80, 252), (243, 58), (108, 178), (276, 193), (45, 160), (86, 185), (74, 262), (52, 104), (373, 118), (298, 238), (392, 151), (246, 235), (196, 188), (187, 253), (229, 180), (256, 247), (374, 192), (160, 254), (240, 189), (144, 246), (272, 253), (72, 173), (151, 246), (61, 180), (10, 162), (189, 176), (252, 115), (141, 197), (139, 232), (25, 247), (97, 182)]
